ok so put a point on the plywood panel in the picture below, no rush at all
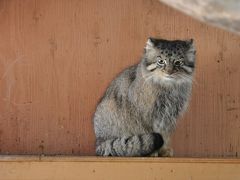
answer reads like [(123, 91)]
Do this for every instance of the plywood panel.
[(58, 56), (117, 168)]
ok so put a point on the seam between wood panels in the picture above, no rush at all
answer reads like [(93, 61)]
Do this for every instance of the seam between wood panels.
[(114, 160)]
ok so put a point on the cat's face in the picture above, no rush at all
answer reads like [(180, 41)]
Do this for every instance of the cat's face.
[(169, 61)]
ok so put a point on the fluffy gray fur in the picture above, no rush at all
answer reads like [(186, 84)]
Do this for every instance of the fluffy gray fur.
[(139, 110)]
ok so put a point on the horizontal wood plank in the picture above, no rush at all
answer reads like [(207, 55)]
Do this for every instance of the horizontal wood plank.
[(97, 168), (57, 58)]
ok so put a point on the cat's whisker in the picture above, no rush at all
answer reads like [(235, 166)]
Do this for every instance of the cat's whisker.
[(184, 76), (195, 81), (146, 76), (190, 78), (147, 79)]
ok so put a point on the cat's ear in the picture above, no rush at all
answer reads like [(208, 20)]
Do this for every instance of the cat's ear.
[(149, 44), (191, 50)]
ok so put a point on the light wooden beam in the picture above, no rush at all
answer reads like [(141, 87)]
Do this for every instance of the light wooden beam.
[(92, 168), (221, 13)]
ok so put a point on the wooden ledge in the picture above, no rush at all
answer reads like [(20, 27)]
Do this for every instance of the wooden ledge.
[(42, 158), (99, 168)]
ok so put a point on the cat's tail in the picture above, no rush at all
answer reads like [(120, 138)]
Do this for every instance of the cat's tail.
[(137, 145)]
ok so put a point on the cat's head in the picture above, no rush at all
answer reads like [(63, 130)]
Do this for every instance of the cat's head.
[(169, 61)]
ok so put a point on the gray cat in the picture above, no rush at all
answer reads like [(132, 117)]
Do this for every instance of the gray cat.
[(138, 112)]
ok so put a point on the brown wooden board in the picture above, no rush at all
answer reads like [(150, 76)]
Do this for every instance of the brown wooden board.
[(58, 56)]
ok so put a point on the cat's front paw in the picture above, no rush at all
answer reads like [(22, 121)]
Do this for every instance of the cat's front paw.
[(166, 152), (163, 152), (154, 154)]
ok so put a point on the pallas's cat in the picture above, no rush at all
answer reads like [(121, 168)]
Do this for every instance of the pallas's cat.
[(139, 110)]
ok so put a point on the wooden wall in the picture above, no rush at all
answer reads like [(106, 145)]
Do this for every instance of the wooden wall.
[(58, 56)]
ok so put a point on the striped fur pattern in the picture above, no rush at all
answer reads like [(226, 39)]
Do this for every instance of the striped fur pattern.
[(136, 145), (139, 110)]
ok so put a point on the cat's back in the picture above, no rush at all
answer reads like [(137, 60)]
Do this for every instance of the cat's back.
[(120, 85), (111, 106)]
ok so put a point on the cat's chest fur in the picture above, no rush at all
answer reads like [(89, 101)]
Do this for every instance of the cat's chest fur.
[(161, 106), (168, 105)]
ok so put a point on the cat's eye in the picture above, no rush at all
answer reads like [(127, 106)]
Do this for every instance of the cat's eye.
[(178, 63), (161, 62)]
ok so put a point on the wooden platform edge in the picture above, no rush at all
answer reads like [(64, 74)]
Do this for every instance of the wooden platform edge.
[(111, 168), (42, 158)]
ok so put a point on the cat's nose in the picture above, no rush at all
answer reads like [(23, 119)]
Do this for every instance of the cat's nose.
[(168, 69)]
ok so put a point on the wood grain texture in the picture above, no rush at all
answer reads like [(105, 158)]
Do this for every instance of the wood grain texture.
[(57, 168), (58, 56)]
